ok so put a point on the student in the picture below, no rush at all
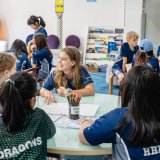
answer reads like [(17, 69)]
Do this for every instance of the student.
[(20, 50), (40, 50), (134, 129), (145, 55), (128, 49), (69, 75), (7, 66), (38, 24), (23, 130)]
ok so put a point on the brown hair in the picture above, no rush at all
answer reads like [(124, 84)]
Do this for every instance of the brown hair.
[(131, 35), (41, 42), (60, 77), (7, 61), (143, 56)]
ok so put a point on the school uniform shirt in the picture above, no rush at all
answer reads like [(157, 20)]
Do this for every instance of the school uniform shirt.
[(41, 30), (102, 131), (85, 80), (31, 142), (40, 55), (152, 62), (22, 62), (124, 52)]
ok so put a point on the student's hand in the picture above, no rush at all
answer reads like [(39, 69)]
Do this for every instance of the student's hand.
[(61, 90), (85, 123), (48, 96), (33, 47)]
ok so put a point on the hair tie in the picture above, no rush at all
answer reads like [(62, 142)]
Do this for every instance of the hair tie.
[(39, 20), (9, 80)]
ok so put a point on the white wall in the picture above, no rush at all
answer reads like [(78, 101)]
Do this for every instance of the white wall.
[(152, 21), (133, 12), (78, 15)]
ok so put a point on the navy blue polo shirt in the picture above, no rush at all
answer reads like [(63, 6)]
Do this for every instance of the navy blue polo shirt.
[(85, 80), (102, 131), (22, 62), (153, 61), (41, 30), (40, 55), (125, 52)]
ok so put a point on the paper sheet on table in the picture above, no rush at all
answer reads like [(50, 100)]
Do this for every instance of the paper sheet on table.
[(62, 108)]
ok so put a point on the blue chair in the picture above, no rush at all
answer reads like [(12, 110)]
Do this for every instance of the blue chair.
[(29, 38)]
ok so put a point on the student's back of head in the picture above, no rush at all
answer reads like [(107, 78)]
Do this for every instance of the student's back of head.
[(15, 96), (140, 92), (7, 66), (18, 46)]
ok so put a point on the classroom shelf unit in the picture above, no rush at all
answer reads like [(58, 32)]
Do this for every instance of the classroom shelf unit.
[(103, 45)]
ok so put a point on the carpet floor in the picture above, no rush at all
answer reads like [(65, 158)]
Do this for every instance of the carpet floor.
[(100, 84)]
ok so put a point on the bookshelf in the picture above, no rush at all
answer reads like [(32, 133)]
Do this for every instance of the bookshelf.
[(102, 46)]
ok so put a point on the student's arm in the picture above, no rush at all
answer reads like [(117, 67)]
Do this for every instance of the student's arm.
[(123, 54), (87, 83), (40, 54), (102, 130), (45, 91), (124, 63), (29, 50), (88, 90), (84, 125)]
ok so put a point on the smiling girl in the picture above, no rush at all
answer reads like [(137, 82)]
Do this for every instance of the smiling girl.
[(69, 75)]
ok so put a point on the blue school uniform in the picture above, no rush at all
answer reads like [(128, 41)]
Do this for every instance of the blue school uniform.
[(124, 52), (102, 131), (41, 30), (38, 56), (22, 62), (85, 80), (152, 62)]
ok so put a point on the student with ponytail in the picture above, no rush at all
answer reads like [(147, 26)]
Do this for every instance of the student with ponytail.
[(38, 24), (133, 129), (23, 130), (145, 55)]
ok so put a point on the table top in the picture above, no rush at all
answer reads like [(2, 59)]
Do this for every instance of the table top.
[(66, 140)]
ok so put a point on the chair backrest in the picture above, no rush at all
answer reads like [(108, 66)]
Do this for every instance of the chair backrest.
[(73, 40), (33, 71), (53, 41), (29, 38)]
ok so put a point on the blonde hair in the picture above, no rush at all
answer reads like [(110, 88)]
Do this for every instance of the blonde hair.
[(131, 35), (7, 61), (60, 78)]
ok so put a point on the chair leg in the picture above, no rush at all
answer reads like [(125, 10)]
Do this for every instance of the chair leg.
[(111, 84)]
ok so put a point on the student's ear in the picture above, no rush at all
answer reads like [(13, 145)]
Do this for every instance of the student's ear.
[(32, 102), (73, 63), (6, 73), (36, 24)]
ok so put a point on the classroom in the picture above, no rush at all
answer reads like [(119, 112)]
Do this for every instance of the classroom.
[(79, 79)]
